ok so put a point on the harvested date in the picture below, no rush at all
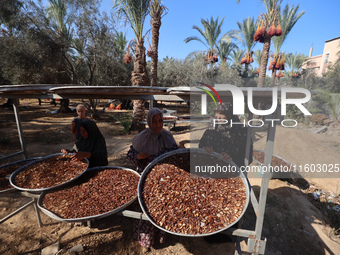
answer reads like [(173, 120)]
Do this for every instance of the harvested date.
[(182, 204), (259, 156), (49, 172), (7, 170), (102, 192)]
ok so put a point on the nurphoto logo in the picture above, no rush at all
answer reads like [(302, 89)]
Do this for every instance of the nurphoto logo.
[(239, 106)]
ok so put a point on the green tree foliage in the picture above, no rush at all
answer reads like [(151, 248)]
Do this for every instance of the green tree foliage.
[(39, 46)]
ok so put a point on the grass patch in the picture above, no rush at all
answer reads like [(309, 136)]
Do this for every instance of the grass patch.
[(125, 121)]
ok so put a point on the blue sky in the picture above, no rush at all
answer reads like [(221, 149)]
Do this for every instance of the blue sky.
[(319, 23)]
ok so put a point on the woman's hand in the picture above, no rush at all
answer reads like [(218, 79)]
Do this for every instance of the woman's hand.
[(181, 145), (65, 152), (81, 155), (142, 155), (226, 156), (208, 149)]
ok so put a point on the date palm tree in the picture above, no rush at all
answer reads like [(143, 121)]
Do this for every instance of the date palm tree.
[(293, 63), (121, 41), (236, 57), (211, 34), (258, 57), (225, 49), (247, 30), (288, 19), (157, 11), (135, 13), (57, 13), (263, 34)]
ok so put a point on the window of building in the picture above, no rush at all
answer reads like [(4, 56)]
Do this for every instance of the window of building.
[(326, 58)]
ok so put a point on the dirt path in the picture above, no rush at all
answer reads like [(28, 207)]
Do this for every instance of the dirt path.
[(292, 224)]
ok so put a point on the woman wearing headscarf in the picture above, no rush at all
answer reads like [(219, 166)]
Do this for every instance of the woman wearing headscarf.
[(146, 146), (228, 140), (91, 145), (151, 142)]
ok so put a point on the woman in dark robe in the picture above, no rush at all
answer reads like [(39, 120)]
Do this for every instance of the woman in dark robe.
[(90, 145), (228, 140)]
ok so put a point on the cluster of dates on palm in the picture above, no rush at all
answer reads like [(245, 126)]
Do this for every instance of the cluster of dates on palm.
[(211, 57), (278, 62), (279, 75), (263, 29), (127, 58), (247, 58)]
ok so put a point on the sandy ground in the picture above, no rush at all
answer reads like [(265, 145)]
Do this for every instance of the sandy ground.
[(293, 223)]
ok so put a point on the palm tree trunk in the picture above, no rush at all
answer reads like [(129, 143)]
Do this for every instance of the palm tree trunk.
[(155, 24), (273, 77), (245, 73), (264, 61), (139, 78)]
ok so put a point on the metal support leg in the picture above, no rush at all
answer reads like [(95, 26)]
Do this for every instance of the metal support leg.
[(36, 209), (17, 211), (256, 245), (17, 118)]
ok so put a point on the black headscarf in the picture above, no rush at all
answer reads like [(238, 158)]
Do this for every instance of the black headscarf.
[(95, 143), (227, 138)]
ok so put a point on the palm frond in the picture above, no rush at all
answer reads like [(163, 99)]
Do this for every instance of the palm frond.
[(247, 29), (135, 12), (288, 19), (258, 57), (210, 32)]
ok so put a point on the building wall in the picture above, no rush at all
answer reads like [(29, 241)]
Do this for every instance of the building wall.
[(321, 63)]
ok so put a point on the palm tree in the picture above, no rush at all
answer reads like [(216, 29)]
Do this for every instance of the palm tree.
[(57, 12), (268, 26), (258, 57), (236, 57), (157, 11), (121, 41), (294, 63), (135, 13), (225, 49), (247, 30), (210, 34), (287, 19)]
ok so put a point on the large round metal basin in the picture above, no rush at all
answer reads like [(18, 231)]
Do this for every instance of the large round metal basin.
[(99, 196), (180, 201), (38, 176)]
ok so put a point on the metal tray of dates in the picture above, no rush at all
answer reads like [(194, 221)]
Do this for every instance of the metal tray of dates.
[(8, 169), (258, 157), (181, 202), (47, 173), (100, 192)]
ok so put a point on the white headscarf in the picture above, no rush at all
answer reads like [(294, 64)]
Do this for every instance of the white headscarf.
[(152, 143)]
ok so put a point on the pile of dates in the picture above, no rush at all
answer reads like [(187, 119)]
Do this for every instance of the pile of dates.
[(259, 156), (49, 172), (191, 205), (95, 193), (7, 170)]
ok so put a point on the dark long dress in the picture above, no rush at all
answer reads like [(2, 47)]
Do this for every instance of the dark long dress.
[(95, 144), (229, 140)]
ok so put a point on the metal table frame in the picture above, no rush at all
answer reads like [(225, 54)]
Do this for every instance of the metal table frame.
[(255, 243)]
